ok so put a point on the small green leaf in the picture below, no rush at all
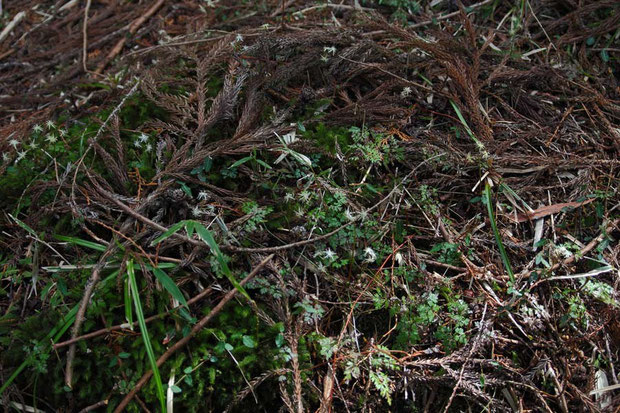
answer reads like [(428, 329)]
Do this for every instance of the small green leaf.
[(124, 355), (185, 189), (207, 164), (248, 342), (605, 55), (240, 162), (175, 389), (228, 347)]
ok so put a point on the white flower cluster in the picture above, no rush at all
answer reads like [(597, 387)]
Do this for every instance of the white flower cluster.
[(143, 139), (328, 254), (370, 255)]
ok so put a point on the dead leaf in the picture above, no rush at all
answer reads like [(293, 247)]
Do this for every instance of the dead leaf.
[(547, 210)]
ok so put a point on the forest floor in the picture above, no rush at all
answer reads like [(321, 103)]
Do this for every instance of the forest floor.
[(371, 206)]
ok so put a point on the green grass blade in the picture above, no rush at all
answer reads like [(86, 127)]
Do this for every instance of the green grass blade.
[(145, 335), (498, 237), (189, 227), (84, 243), (24, 226), (508, 190), (170, 286), (128, 308), (207, 237), (466, 126), (240, 162), (176, 227)]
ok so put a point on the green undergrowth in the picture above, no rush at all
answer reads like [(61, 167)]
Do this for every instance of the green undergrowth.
[(320, 179)]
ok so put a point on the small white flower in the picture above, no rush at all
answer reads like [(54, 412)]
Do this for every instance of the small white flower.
[(33, 145), (51, 138), (330, 49), (324, 58), (197, 212), (363, 214), (203, 195), (62, 132), (14, 143), (143, 137), (399, 258), (50, 124), (148, 147), (300, 213), (328, 254), (349, 215), (238, 38), (37, 128), (406, 92), (137, 143), (5, 157), (320, 268), (289, 197), (304, 196), (370, 254), (20, 155), (563, 251)]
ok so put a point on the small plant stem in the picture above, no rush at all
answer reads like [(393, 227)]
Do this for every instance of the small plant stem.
[(498, 237)]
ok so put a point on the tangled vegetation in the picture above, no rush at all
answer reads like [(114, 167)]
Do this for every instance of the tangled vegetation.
[(294, 206)]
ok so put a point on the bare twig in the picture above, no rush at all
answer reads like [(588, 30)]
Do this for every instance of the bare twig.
[(9, 27), (85, 36), (133, 28)]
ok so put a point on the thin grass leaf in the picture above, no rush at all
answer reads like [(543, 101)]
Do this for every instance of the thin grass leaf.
[(498, 237), (162, 266), (24, 226), (207, 237), (509, 191), (128, 307), (145, 335), (465, 125), (170, 286), (173, 229), (240, 162), (81, 242), (189, 227), (263, 163)]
